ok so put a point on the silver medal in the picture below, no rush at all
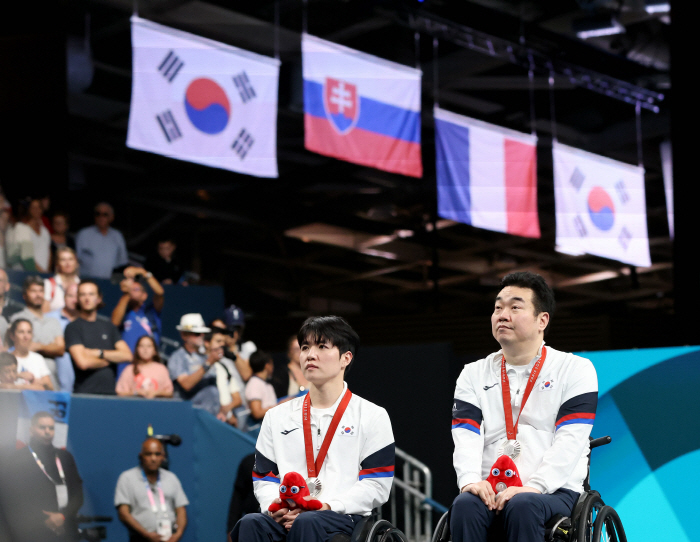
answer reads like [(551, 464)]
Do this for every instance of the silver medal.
[(315, 487), (500, 486), (511, 448)]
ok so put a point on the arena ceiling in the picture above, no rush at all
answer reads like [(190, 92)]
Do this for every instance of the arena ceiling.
[(331, 236)]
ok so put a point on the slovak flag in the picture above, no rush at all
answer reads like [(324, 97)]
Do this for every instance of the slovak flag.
[(202, 101), (361, 108), (486, 175), (600, 207)]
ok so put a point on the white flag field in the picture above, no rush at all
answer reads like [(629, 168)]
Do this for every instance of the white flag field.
[(600, 207), (202, 101)]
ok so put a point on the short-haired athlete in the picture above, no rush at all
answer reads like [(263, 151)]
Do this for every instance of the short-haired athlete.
[(528, 401), (336, 440)]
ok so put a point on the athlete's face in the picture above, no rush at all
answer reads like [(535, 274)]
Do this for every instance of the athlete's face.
[(321, 362), (514, 320)]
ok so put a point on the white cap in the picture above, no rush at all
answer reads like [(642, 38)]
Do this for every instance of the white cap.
[(192, 323)]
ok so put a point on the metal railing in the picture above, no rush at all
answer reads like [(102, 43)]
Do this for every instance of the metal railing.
[(412, 489)]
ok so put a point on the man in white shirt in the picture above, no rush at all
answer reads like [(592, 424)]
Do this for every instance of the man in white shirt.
[(341, 444), (530, 402)]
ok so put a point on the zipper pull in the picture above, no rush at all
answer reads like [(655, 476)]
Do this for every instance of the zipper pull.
[(319, 431)]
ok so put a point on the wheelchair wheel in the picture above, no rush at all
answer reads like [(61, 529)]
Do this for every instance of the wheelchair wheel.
[(587, 517), (608, 526), (442, 529), (384, 531)]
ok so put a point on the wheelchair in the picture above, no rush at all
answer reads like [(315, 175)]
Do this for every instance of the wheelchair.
[(591, 520), (372, 529)]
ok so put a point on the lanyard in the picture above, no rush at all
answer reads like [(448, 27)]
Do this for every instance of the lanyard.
[(58, 466), (512, 430), (315, 467), (149, 492)]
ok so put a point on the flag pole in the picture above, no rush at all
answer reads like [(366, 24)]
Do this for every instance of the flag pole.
[(638, 115), (416, 41), (436, 100), (531, 85), (277, 30), (304, 17), (553, 118)]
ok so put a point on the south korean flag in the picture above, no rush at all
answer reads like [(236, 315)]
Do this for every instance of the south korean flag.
[(202, 101)]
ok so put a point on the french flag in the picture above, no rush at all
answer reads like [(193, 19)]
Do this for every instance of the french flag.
[(486, 175), (361, 108)]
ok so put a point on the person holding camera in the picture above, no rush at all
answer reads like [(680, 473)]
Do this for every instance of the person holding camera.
[(150, 500), (134, 315), (42, 489)]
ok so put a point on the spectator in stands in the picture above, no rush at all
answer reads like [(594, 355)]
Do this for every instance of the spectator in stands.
[(64, 366), (165, 264), (66, 274), (192, 370), (8, 306), (29, 242), (9, 379), (94, 344), (218, 326), (291, 381), (5, 213), (146, 377), (258, 391), (236, 349), (31, 367), (226, 381), (45, 489), (134, 315), (150, 500), (48, 335), (60, 236), (101, 248)]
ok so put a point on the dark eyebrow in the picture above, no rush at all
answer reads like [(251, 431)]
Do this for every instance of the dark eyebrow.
[(499, 298)]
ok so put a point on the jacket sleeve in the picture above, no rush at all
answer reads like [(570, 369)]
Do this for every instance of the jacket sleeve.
[(266, 479), (573, 426), (376, 472), (467, 431)]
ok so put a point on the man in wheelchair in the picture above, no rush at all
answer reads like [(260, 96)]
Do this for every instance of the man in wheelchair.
[(528, 401), (342, 444)]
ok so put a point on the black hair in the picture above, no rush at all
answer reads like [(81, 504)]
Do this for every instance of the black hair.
[(7, 359), (331, 329), (31, 280), (215, 330), (542, 294), (10, 333), (258, 360)]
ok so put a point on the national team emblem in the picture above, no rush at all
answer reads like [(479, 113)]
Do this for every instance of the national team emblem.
[(347, 430), (342, 104), (547, 385)]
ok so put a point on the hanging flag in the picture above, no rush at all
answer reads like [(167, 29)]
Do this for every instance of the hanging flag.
[(486, 175), (201, 101), (56, 403), (600, 207), (667, 167), (361, 108)]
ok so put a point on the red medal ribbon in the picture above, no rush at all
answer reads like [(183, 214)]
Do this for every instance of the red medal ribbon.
[(512, 430), (315, 467)]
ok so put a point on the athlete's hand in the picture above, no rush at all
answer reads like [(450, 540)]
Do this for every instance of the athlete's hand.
[(507, 494), (290, 516), (279, 515), (484, 491)]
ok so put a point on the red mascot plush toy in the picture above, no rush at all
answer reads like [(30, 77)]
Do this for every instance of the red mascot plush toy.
[(292, 493), (504, 474)]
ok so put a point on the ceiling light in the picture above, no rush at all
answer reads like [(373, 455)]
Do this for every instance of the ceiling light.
[(657, 6), (598, 25)]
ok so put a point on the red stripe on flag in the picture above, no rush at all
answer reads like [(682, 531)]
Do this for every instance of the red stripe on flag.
[(521, 189), (363, 147), (465, 420), (576, 416)]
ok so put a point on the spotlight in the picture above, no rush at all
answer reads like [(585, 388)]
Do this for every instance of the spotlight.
[(597, 25), (657, 6)]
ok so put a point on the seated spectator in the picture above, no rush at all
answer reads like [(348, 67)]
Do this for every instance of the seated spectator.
[(31, 367), (7, 305), (94, 344), (60, 237), (5, 214), (101, 248), (44, 488), (226, 382), (165, 264), (146, 376), (64, 366), (66, 274), (29, 242), (9, 379), (150, 500), (291, 381), (234, 322), (48, 335), (134, 315), (258, 391), (192, 370)]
